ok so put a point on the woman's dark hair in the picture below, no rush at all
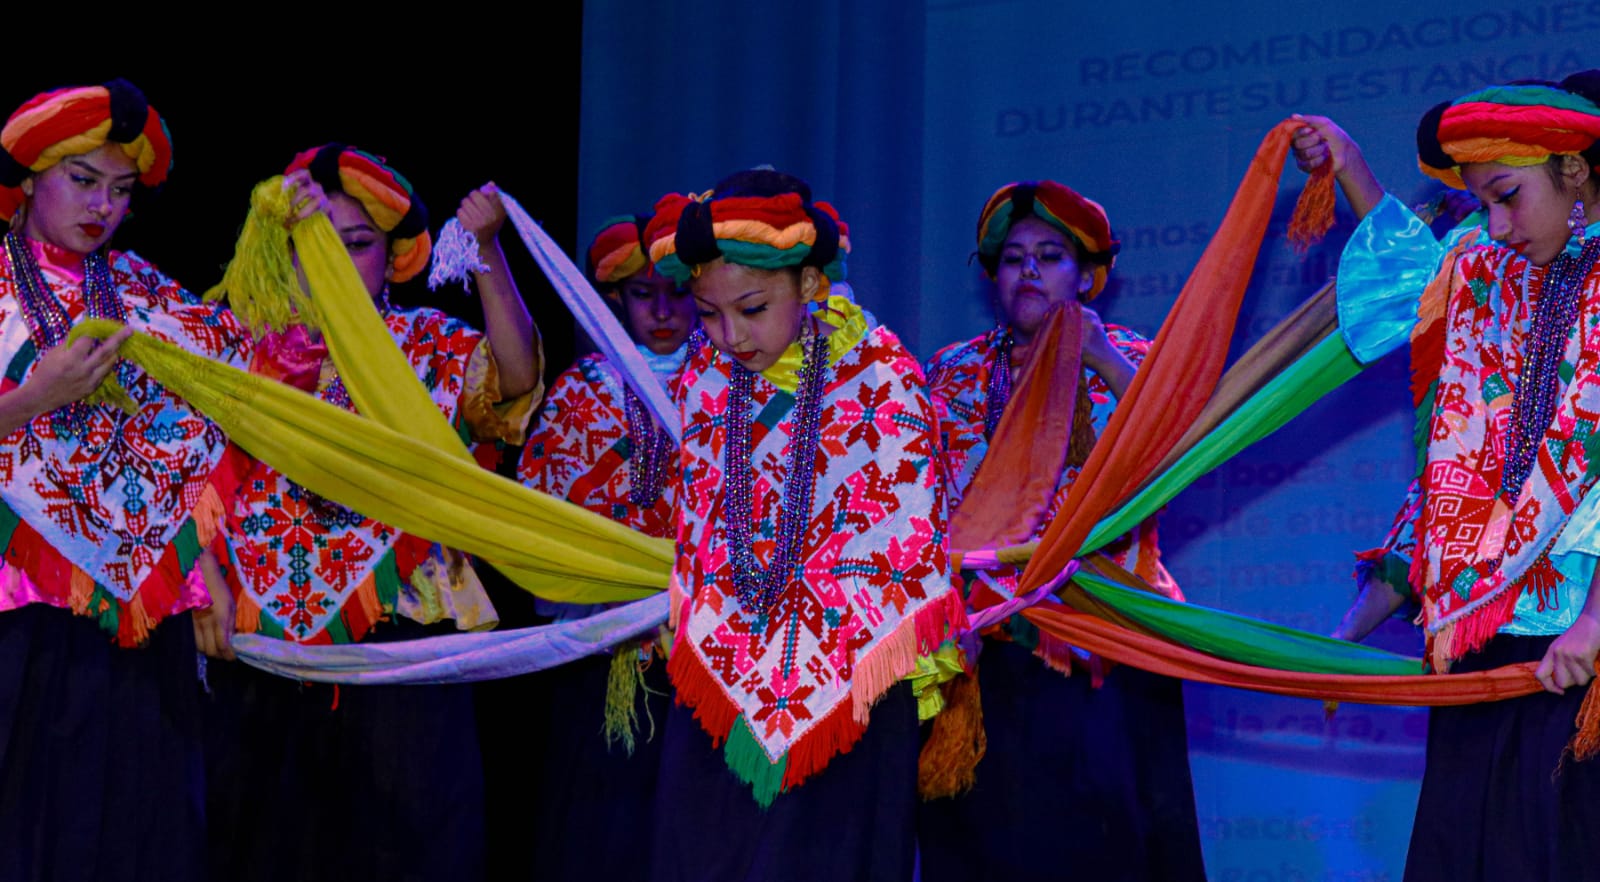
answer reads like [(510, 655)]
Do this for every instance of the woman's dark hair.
[(1586, 84)]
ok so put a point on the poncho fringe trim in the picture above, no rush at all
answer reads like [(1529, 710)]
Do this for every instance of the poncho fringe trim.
[(63, 584)]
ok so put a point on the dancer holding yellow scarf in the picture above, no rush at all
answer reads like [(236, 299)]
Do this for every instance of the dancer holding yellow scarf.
[(103, 511), (306, 569)]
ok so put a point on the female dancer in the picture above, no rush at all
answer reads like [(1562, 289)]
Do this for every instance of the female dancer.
[(1504, 347), (103, 512), (811, 572), (1106, 765), (372, 781), (595, 445)]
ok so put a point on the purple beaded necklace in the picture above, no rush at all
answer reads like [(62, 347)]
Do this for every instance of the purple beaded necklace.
[(650, 449), (47, 320), (1537, 392), (997, 391), (757, 587)]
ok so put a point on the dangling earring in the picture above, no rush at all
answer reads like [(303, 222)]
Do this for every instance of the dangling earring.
[(1578, 221)]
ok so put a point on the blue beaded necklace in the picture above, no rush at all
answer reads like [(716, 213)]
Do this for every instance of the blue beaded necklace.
[(1537, 392), (757, 587)]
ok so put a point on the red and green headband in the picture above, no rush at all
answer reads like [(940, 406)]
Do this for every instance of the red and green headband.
[(618, 250), (72, 121), (386, 195), (1520, 124), (1057, 205), (775, 231)]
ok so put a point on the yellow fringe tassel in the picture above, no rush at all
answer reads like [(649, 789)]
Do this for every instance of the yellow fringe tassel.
[(622, 698), (260, 283)]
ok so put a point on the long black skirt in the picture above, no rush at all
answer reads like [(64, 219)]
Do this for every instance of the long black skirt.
[(1497, 801), (854, 820), (1077, 783), (348, 783), (592, 801), (100, 762)]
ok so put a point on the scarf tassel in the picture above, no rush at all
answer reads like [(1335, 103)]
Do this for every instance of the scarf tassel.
[(948, 764), (1313, 211), (623, 685), (1586, 743), (1057, 654)]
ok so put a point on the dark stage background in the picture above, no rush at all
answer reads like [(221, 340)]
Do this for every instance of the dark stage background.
[(447, 125)]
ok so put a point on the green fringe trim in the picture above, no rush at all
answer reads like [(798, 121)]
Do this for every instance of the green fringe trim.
[(8, 525), (623, 685), (269, 627), (19, 362), (386, 579), (187, 545), (749, 762), (338, 631), (106, 602)]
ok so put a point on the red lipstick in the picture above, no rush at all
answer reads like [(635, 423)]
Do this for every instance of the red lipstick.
[(662, 333), (744, 356), (93, 231)]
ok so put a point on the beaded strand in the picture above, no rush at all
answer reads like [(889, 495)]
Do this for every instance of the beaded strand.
[(650, 450), (997, 391), (48, 322), (1538, 388), (757, 587)]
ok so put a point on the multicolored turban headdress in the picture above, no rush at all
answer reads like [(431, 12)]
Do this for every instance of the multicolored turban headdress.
[(1060, 207), (383, 192), (1518, 124), (68, 122), (758, 218), (618, 251)]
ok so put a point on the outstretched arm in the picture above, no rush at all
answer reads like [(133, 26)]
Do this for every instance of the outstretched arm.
[(512, 337), (1377, 601)]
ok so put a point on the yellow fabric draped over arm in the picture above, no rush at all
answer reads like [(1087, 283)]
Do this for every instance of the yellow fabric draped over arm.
[(546, 545), (399, 462)]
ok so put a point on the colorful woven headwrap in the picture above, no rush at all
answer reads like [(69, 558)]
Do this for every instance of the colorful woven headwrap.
[(1519, 124), (767, 221), (68, 122), (1060, 207), (383, 192), (618, 250)]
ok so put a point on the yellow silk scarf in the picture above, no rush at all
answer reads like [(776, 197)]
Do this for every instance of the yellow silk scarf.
[(399, 462)]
